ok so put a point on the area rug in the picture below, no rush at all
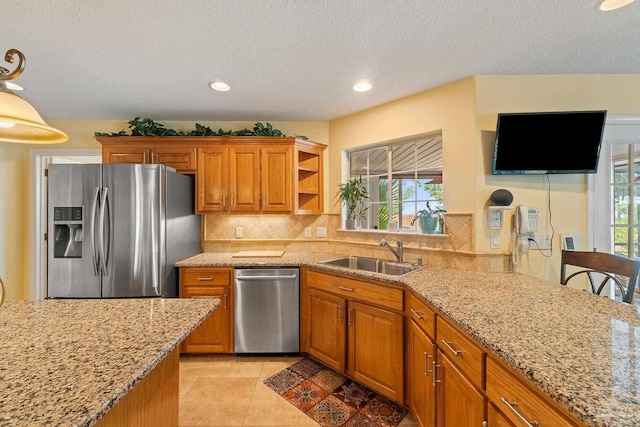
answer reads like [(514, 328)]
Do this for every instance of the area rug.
[(331, 399)]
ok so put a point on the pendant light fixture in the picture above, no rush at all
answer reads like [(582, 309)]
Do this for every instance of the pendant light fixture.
[(19, 121)]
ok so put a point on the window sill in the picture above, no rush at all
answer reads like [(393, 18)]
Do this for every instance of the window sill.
[(398, 233)]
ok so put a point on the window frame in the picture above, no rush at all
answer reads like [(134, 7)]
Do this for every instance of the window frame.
[(373, 220)]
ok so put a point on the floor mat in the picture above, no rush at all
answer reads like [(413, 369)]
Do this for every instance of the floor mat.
[(331, 399)]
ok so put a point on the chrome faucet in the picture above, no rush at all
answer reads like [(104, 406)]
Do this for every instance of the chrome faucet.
[(397, 252)]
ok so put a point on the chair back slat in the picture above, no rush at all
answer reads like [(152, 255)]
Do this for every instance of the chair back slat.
[(604, 263)]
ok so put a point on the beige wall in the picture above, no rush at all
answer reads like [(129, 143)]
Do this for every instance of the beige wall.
[(16, 175), (466, 111), (449, 109), (618, 94)]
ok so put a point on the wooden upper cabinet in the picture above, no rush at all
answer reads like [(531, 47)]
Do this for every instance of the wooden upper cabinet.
[(276, 170), (170, 151), (308, 180), (244, 178), (120, 154), (183, 159), (212, 179), (236, 174)]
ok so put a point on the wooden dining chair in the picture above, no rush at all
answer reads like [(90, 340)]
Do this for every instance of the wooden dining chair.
[(602, 267)]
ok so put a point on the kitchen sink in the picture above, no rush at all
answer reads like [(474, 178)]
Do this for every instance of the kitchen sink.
[(375, 265)]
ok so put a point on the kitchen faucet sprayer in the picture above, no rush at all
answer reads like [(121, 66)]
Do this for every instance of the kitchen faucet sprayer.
[(397, 252)]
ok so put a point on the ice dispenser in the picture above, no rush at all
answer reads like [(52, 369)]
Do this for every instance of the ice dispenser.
[(68, 233)]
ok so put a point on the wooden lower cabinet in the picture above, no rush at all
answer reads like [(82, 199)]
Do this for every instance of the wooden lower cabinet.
[(360, 339), (215, 334), (375, 354), (327, 332), (460, 404), (421, 398), (496, 419), (153, 402), (519, 401)]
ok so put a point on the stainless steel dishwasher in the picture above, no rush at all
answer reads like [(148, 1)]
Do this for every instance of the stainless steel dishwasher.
[(267, 310)]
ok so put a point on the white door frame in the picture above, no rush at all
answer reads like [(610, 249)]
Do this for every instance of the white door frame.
[(39, 160), (617, 130)]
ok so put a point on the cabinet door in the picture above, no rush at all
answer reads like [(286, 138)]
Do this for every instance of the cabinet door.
[(244, 179), (130, 154), (460, 404), (327, 335), (496, 419), (422, 388), (212, 179), (214, 334), (376, 357), (183, 159), (275, 179)]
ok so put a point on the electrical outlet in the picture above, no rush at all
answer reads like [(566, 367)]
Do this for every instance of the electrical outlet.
[(495, 240), (321, 231), (307, 232), (541, 242), (238, 231)]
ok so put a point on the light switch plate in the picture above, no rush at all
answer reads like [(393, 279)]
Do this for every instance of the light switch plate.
[(321, 231), (238, 231), (307, 232), (495, 240)]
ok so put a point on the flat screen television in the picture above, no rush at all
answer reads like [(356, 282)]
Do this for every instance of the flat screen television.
[(548, 143)]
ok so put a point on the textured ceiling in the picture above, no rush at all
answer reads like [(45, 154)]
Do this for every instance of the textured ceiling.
[(293, 59)]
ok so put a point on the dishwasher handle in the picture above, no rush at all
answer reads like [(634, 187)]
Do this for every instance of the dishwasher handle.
[(250, 278)]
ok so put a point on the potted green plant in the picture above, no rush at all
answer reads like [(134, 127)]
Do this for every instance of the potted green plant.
[(353, 193), (431, 221)]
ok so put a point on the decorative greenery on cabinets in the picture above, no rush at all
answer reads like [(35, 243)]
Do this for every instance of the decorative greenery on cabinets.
[(149, 127)]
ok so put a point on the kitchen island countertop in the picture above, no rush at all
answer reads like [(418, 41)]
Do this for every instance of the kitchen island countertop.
[(67, 362), (581, 349)]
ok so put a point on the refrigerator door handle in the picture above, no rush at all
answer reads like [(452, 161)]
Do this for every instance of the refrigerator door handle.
[(94, 212), (104, 248)]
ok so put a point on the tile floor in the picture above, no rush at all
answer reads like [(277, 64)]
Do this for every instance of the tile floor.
[(230, 391)]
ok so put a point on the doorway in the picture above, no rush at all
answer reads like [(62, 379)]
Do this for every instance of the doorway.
[(614, 192), (40, 161)]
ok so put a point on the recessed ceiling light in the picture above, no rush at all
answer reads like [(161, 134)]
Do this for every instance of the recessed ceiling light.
[(6, 125), (608, 5), (362, 86), (219, 86)]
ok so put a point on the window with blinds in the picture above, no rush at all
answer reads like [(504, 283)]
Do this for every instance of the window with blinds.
[(401, 178)]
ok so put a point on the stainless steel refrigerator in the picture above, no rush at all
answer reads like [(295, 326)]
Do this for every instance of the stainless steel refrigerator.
[(117, 230)]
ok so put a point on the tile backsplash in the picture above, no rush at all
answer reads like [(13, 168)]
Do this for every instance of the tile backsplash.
[(276, 232)]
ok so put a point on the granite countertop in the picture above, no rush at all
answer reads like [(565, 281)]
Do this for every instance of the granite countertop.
[(583, 350), (67, 362)]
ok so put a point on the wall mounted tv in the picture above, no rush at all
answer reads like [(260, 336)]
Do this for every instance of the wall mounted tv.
[(559, 142)]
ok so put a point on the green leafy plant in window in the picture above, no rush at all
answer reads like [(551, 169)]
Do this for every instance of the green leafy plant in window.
[(429, 219), (353, 193)]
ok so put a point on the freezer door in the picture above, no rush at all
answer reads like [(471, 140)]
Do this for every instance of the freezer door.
[(132, 220), (72, 267), (183, 226)]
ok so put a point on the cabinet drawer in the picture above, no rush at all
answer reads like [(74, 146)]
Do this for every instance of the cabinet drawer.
[(354, 289), (503, 385), (205, 276), (423, 315), (462, 351)]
